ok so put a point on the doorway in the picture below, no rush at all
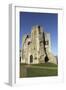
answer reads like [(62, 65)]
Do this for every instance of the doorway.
[(46, 59), (31, 58)]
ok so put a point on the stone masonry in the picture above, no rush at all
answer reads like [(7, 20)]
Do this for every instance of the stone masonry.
[(36, 47)]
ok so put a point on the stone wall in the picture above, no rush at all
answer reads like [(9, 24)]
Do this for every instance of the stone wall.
[(36, 47)]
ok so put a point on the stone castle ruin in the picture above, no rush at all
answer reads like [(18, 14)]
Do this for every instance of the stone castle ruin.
[(36, 47)]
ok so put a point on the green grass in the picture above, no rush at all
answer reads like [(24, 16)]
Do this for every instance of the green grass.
[(37, 72), (45, 65)]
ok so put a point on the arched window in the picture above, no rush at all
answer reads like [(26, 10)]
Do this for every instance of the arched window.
[(39, 29)]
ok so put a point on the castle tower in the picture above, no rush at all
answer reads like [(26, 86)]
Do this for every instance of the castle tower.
[(36, 47), (38, 44), (47, 42)]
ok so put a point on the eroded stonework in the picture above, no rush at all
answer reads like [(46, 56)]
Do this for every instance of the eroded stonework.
[(36, 47)]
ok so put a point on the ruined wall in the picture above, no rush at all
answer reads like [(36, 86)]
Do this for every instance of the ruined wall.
[(37, 47)]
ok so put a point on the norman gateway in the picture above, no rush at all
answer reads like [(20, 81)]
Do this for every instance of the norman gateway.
[(36, 47)]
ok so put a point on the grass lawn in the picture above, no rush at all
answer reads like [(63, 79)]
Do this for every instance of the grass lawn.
[(45, 65), (34, 72), (31, 71)]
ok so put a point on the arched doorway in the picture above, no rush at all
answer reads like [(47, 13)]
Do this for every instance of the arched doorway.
[(31, 58), (46, 59), (20, 59)]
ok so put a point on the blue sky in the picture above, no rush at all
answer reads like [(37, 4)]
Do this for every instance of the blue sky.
[(48, 21)]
